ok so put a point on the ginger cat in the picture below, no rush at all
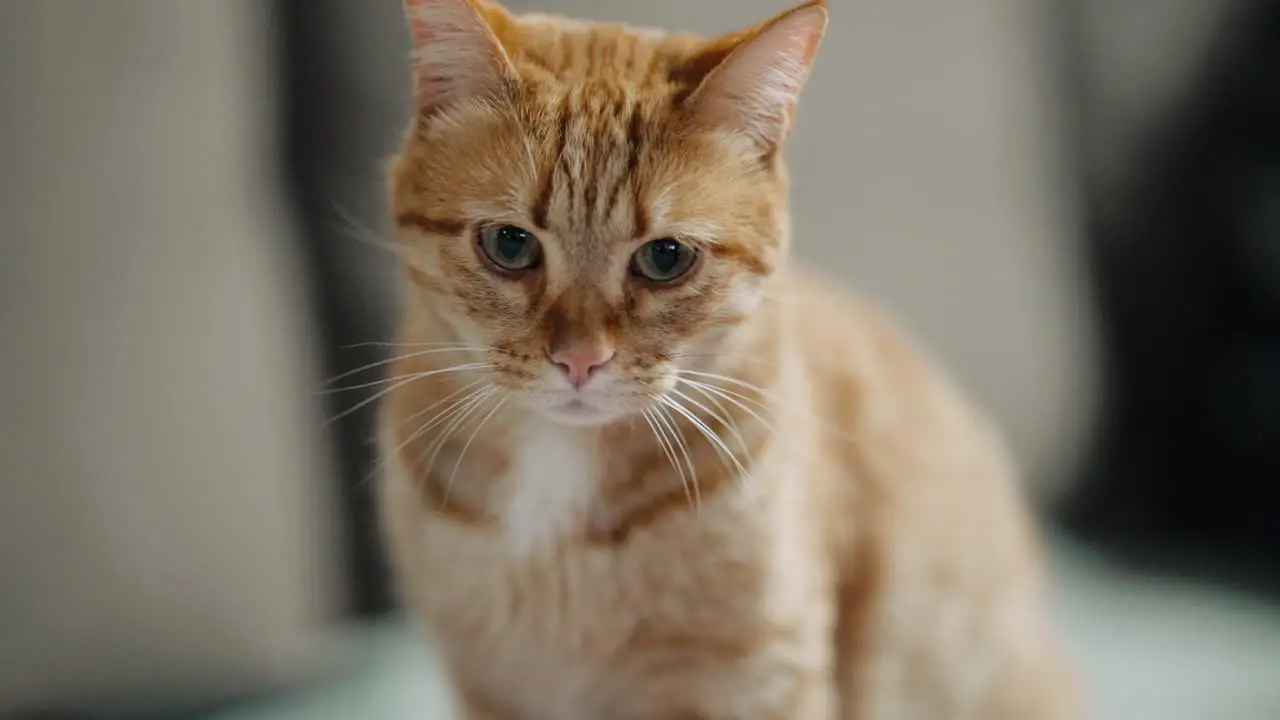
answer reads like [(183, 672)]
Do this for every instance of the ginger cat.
[(629, 476)]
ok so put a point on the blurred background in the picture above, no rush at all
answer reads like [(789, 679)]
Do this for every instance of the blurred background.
[(1075, 202)]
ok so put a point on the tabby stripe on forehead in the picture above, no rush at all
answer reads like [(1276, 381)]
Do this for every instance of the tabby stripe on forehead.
[(593, 160), (546, 189), (432, 226), (602, 156), (634, 136)]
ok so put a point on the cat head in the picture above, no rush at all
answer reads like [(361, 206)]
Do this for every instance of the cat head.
[(598, 206)]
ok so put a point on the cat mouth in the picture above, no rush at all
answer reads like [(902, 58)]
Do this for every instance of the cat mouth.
[(577, 408), (579, 411)]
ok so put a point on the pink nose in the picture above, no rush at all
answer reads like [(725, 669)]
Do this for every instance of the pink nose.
[(579, 362)]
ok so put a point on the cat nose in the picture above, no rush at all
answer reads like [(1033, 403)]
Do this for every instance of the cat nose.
[(579, 362)]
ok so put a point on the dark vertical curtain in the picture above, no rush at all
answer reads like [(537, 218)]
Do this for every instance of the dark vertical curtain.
[(334, 139), (1185, 257)]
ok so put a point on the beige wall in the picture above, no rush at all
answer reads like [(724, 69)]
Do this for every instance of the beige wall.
[(162, 519)]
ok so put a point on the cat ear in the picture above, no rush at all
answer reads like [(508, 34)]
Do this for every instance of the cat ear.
[(456, 54), (754, 90)]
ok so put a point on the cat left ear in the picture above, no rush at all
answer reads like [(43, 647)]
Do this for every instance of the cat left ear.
[(755, 89), (456, 55)]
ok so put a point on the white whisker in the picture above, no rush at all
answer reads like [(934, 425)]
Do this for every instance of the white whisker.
[(817, 420), (399, 382), (412, 376), (669, 452), (716, 442), (452, 416), (448, 488), (424, 427), (677, 438), (390, 360), (442, 401), (376, 396), (735, 355), (735, 398), (387, 344), (454, 425), (358, 231), (728, 379), (723, 416)]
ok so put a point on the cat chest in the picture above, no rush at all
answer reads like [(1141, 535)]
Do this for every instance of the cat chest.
[(537, 632), (544, 623), (560, 630), (584, 633), (527, 613), (547, 490)]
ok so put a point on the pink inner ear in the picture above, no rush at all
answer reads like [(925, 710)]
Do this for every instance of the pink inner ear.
[(455, 54), (755, 90), (432, 21)]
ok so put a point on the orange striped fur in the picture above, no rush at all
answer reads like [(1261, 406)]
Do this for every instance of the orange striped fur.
[(732, 493)]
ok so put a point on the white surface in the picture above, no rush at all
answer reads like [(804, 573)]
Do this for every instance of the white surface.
[(1167, 650)]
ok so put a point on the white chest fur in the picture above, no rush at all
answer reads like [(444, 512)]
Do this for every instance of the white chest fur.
[(549, 484)]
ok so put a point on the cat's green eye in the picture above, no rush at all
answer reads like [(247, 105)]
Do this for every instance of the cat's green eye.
[(509, 248), (663, 261)]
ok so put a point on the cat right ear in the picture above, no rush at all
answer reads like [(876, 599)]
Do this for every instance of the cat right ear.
[(456, 55), (755, 86)]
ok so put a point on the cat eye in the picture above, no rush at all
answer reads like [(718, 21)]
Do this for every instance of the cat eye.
[(663, 261), (509, 248)]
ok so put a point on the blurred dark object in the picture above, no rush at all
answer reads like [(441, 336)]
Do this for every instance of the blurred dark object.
[(336, 127), (1184, 233)]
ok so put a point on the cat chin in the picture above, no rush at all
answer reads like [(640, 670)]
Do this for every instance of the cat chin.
[(577, 413), (580, 421)]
